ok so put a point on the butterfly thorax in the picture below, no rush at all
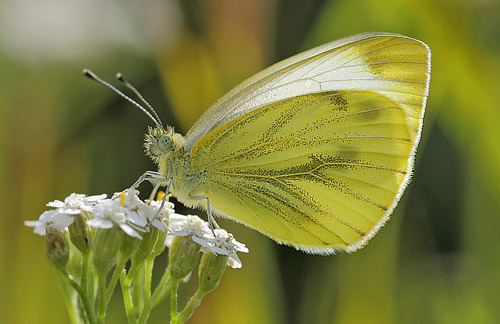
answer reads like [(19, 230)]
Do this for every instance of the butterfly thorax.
[(166, 148)]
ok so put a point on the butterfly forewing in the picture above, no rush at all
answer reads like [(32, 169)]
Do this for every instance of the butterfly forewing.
[(393, 65)]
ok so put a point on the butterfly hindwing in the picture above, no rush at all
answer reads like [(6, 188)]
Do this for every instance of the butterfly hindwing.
[(316, 171)]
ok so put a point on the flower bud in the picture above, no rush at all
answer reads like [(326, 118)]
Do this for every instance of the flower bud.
[(160, 243), (211, 269), (129, 245), (106, 246), (146, 245), (57, 249), (80, 234), (183, 257)]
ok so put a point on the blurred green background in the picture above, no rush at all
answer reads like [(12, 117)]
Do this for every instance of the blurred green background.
[(436, 261)]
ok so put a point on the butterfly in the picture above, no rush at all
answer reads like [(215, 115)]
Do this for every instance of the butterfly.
[(314, 151)]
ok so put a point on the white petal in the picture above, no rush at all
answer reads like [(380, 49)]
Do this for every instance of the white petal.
[(178, 233), (202, 242), (130, 231), (168, 240), (61, 221), (146, 212), (243, 249), (74, 197), (46, 216), (169, 205), (32, 223), (234, 262), (69, 210), (138, 228), (40, 230), (159, 225), (177, 218), (55, 204), (239, 245), (100, 223), (39, 227), (86, 208), (136, 218), (96, 198), (118, 217), (219, 250)]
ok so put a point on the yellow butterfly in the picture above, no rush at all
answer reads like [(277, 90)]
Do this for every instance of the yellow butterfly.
[(314, 151)]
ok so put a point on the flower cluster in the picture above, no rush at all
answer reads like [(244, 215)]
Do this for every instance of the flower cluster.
[(133, 216), (218, 241), (64, 213), (110, 232)]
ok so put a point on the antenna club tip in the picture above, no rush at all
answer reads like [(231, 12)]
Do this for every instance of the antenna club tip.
[(89, 74), (121, 78)]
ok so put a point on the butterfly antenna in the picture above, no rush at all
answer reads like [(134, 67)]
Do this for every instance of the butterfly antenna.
[(121, 78), (91, 75)]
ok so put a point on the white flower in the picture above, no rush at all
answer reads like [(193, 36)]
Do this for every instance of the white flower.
[(184, 225), (223, 243), (62, 216), (158, 219), (125, 210), (137, 211), (75, 204), (50, 219)]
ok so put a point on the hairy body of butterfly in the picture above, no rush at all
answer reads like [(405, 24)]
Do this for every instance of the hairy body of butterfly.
[(314, 151)]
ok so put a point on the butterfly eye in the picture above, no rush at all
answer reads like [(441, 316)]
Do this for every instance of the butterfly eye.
[(164, 142)]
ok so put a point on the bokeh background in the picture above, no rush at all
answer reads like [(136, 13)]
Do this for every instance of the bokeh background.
[(436, 261)]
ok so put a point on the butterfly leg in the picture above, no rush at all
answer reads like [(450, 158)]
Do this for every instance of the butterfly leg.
[(164, 196), (157, 179), (211, 220), (149, 176)]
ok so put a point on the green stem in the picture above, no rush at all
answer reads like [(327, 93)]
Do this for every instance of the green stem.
[(91, 281), (193, 303), (85, 269), (138, 289), (70, 301), (147, 291), (87, 305), (127, 297), (87, 282), (161, 291), (81, 310), (132, 271), (147, 280), (101, 291), (104, 302), (173, 301)]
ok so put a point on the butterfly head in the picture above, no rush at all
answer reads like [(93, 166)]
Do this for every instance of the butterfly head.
[(161, 143)]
